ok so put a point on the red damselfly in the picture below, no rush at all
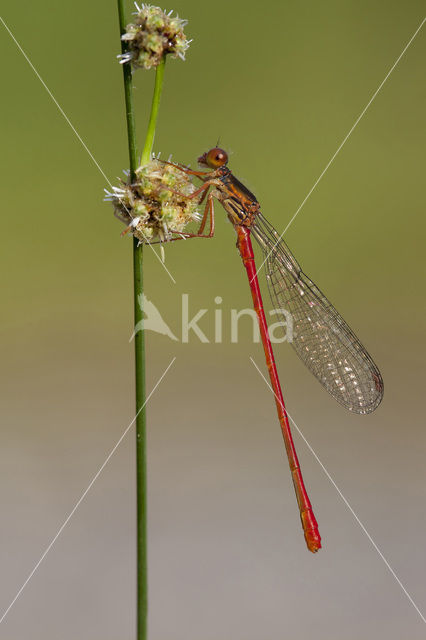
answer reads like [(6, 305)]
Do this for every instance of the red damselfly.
[(321, 338)]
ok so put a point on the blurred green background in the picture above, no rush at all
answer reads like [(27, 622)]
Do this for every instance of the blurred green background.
[(281, 84)]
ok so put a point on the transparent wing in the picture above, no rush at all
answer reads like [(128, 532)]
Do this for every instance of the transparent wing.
[(321, 337)]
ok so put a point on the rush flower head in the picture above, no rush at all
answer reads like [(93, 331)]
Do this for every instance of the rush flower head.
[(149, 208), (153, 34)]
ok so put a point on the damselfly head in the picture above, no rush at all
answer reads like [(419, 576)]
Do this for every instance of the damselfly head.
[(214, 158)]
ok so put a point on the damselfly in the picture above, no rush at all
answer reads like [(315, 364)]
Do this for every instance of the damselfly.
[(321, 338)]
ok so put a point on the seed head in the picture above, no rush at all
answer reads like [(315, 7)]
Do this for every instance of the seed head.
[(153, 34), (148, 207)]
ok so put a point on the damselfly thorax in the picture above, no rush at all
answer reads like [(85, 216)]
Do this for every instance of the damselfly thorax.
[(240, 204)]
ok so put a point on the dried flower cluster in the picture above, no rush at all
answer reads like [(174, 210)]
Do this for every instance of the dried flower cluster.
[(153, 35), (149, 208)]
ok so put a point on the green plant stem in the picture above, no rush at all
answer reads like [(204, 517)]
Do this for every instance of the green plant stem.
[(141, 483), (141, 490), (150, 134)]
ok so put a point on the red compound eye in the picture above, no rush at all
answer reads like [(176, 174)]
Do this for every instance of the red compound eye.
[(214, 158)]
